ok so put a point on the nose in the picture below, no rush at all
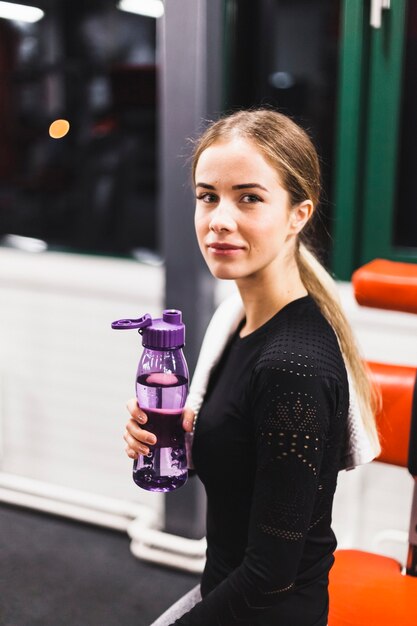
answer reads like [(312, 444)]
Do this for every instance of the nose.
[(222, 218)]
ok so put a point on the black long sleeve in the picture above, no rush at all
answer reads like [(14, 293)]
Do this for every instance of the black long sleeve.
[(268, 450)]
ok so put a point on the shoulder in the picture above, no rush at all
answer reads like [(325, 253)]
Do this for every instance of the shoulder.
[(299, 381), (302, 345)]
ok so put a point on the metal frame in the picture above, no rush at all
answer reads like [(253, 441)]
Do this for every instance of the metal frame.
[(411, 567), (191, 68), (349, 135), (384, 109)]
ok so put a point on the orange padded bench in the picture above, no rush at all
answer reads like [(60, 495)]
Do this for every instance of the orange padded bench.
[(387, 285), (370, 589)]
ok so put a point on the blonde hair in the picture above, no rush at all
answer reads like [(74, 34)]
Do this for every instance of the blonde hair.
[(288, 148)]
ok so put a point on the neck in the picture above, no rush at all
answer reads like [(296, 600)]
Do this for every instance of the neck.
[(263, 297)]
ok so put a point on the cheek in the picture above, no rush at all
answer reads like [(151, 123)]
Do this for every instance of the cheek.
[(275, 227), (199, 226)]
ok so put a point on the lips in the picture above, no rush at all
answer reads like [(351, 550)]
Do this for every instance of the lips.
[(222, 250), (224, 246)]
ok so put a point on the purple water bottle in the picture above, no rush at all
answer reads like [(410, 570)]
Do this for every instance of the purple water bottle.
[(161, 390)]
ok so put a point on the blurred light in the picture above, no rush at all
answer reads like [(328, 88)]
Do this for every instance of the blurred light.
[(27, 244), (149, 8), (148, 257), (58, 129), (20, 12), (282, 80)]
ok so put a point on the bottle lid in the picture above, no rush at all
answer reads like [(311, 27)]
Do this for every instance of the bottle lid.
[(161, 333)]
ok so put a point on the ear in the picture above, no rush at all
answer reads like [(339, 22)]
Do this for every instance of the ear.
[(300, 214)]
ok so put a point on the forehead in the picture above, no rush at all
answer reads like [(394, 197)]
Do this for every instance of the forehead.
[(237, 156)]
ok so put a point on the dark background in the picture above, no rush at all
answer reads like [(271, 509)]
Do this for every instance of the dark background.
[(96, 189)]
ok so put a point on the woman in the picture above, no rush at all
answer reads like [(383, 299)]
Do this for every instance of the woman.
[(272, 428)]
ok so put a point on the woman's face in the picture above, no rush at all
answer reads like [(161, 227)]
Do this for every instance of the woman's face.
[(245, 227)]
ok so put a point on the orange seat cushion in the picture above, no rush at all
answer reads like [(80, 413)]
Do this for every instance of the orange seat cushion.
[(387, 285), (369, 590), (396, 383)]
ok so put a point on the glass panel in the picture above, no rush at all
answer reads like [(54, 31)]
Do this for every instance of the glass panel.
[(405, 229), (93, 189), (284, 53)]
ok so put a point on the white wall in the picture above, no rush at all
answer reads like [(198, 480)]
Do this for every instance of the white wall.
[(65, 374)]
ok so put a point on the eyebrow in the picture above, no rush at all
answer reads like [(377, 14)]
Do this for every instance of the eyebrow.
[(243, 186)]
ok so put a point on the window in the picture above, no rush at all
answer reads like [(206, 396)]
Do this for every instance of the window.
[(94, 189), (375, 215)]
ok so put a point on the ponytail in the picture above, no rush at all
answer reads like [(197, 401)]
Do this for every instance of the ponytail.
[(323, 290)]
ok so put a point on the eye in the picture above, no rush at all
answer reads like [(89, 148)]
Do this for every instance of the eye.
[(250, 198), (207, 197)]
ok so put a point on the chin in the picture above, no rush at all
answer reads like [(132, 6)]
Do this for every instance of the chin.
[(227, 269), (222, 275), (221, 272), (226, 273)]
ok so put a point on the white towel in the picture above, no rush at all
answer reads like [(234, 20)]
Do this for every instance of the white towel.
[(359, 448)]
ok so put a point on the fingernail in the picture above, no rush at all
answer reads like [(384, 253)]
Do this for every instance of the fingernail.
[(151, 439), (142, 419)]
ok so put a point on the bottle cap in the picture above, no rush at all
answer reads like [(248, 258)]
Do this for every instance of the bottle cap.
[(161, 333)]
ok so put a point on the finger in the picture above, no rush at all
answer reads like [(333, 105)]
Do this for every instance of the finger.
[(188, 417), (133, 454), (135, 446), (138, 434), (136, 412)]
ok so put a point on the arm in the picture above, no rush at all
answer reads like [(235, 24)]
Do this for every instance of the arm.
[(283, 498)]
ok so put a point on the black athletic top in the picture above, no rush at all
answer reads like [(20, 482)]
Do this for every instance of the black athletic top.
[(267, 448)]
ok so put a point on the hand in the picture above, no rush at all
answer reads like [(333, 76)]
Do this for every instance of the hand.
[(135, 436)]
